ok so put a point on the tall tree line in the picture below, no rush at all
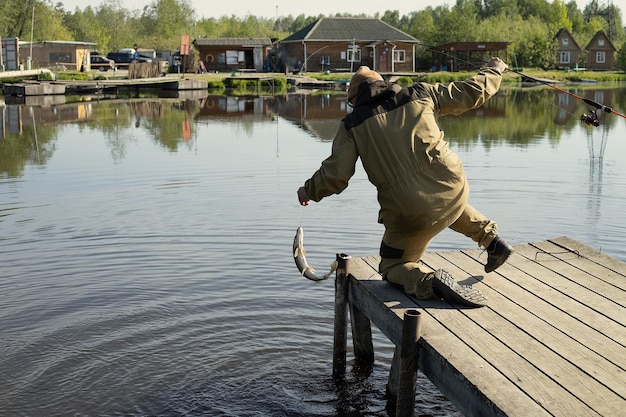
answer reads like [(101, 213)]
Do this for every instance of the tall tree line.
[(530, 25)]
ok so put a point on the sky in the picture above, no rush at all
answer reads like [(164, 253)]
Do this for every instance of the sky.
[(267, 9)]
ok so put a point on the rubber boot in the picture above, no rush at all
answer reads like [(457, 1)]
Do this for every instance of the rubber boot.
[(445, 287), (498, 252)]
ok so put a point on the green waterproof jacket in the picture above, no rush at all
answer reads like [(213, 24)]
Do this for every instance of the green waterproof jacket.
[(394, 132)]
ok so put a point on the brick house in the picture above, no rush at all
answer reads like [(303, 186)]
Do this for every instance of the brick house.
[(567, 50), (342, 44), (234, 54), (600, 53)]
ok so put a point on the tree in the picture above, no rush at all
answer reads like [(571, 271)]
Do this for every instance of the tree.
[(620, 62), (164, 21), (534, 45), (392, 18), (610, 16)]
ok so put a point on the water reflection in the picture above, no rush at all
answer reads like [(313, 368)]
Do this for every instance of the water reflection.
[(519, 116), (515, 119)]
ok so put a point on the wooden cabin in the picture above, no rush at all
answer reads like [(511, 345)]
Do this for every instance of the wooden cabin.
[(234, 54), (568, 50), (71, 55), (600, 53)]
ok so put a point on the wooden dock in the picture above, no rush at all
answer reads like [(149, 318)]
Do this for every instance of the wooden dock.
[(551, 342), (41, 88)]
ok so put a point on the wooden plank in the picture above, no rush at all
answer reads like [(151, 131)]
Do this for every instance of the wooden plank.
[(606, 267), (540, 281), (600, 293), (577, 369), (442, 354), (552, 336), (609, 271), (546, 319), (591, 307)]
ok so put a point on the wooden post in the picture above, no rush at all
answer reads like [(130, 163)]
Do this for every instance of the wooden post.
[(341, 317), (407, 377), (394, 374), (361, 337)]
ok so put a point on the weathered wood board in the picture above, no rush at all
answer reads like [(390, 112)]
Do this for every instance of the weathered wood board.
[(551, 342)]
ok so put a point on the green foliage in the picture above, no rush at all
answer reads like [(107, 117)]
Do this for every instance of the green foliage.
[(45, 76), (447, 77), (72, 75), (404, 81), (529, 25), (279, 84), (621, 57), (216, 85), (280, 81)]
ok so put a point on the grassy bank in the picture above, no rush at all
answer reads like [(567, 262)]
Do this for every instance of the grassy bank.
[(225, 80), (445, 77)]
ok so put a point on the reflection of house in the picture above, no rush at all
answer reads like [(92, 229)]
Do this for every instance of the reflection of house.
[(600, 52), (233, 54), (318, 114), (249, 108), (69, 54), (568, 50), (463, 56), (344, 44)]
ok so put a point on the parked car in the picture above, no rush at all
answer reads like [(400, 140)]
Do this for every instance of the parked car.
[(125, 58), (101, 63)]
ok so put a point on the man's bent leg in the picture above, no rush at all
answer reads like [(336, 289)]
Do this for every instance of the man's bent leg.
[(400, 254), (483, 231), (416, 279), (473, 224)]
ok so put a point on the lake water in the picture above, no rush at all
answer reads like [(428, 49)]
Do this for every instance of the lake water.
[(146, 244)]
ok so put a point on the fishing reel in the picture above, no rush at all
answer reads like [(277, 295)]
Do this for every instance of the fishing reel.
[(591, 118)]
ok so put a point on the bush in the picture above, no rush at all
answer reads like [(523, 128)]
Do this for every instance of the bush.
[(405, 81)]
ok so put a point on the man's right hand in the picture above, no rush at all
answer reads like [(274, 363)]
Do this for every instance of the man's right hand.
[(303, 197)]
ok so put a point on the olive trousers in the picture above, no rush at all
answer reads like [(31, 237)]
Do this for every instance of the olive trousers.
[(401, 250)]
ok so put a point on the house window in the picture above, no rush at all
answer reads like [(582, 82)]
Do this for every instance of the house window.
[(59, 57), (564, 57), (600, 42), (565, 42), (600, 57), (399, 55), (354, 55), (233, 57)]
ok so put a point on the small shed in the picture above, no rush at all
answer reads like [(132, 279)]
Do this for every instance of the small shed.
[(465, 56), (342, 44), (68, 54), (600, 53), (233, 54), (567, 50)]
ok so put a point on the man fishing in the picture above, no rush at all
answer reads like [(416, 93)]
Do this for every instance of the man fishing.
[(421, 185)]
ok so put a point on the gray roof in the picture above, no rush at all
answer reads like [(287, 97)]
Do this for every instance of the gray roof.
[(599, 34), (233, 41), (72, 43), (349, 28)]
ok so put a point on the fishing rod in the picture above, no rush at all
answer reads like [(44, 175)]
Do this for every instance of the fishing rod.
[(590, 118)]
